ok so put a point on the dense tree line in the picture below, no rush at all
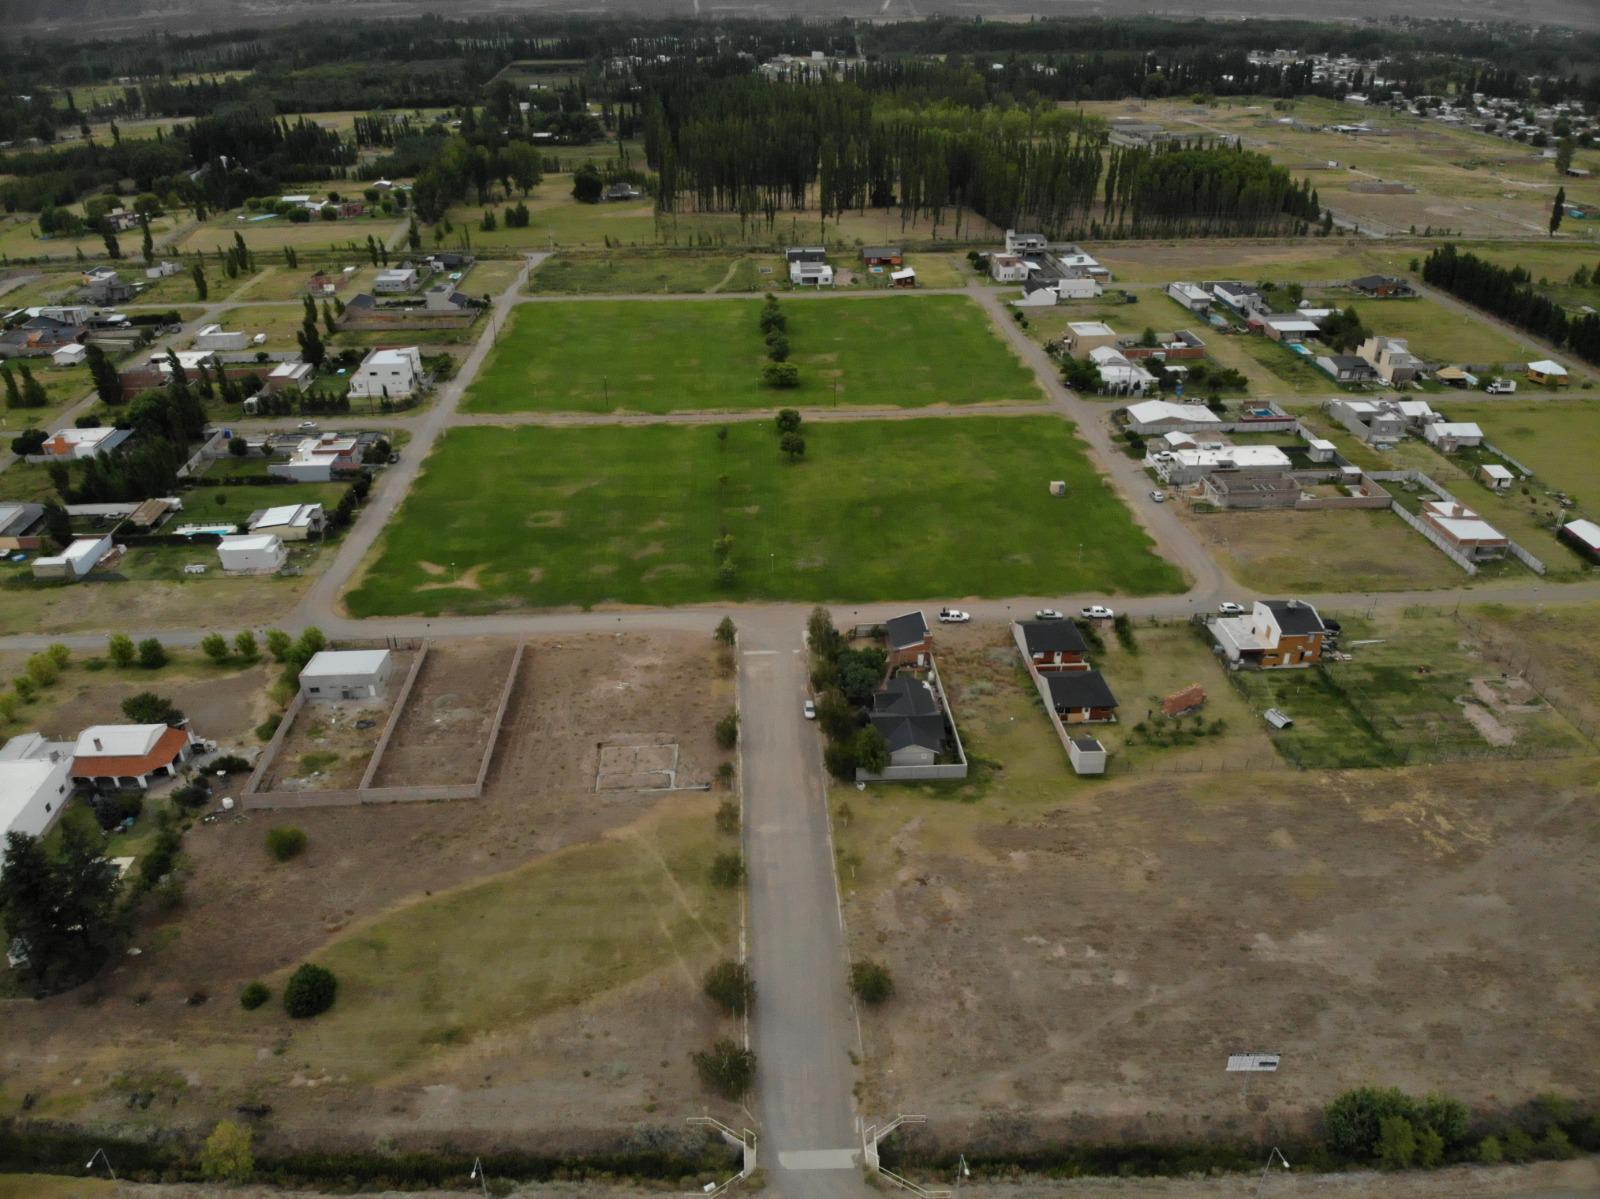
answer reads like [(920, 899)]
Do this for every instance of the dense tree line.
[(1508, 293), (747, 145)]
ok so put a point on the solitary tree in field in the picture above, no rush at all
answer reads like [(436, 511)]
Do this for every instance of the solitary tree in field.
[(1558, 210), (201, 288), (793, 446)]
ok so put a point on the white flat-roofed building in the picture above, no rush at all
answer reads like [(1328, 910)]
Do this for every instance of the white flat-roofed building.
[(1465, 530), (77, 560), (252, 554), (1164, 416), (215, 337), (347, 674), (1191, 464), (396, 280), (290, 522), (35, 783)]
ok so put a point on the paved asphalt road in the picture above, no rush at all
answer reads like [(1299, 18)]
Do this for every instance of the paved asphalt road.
[(803, 1028)]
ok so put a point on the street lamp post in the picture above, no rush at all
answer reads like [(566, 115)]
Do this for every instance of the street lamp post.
[(100, 1155), (1276, 1153), (479, 1176)]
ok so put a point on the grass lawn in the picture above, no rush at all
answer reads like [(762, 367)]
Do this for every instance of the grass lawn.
[(574, 274), (1283, 552), (217, 233), (1558, 439), (27, 481), (877, 509), (205, 505), (652, 356), (52, 1186), (1404, 700), (65, 385), (562, 931), (1313, 259), (19, 238), (1438, 334)]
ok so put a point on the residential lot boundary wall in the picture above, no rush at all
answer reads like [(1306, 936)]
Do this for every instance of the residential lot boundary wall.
[(947, 770), (394, 718)]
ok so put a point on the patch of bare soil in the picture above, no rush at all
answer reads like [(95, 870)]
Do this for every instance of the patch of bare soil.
[(555, 1083), (445, 726), (1087, 974)]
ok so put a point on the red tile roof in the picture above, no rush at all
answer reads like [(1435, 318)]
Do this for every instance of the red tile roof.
[(166, 750)]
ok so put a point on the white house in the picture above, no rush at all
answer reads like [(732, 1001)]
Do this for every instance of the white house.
[(1192, 463), (1191, 295), (319, 459), (70, 355), (810, 274), (1450, 436), (341, 674), (1087, 755), (396, 280), (252, 553), (1025, 243), (289, 522), (1495, 477), (215, 337), (1164, 416), (129, 755), (1007, 268), (1083, 287), (78, 444), (35, 783), (77, 560), (394, 373), (289, 374), (1118, 376), (161, 270)]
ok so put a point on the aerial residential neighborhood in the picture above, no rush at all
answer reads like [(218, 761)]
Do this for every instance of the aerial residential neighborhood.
[(799, 603)]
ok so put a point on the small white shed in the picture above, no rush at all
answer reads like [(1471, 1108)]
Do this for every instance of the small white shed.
[(346, 674), (257, 553), (70, 355), (1087, 755)]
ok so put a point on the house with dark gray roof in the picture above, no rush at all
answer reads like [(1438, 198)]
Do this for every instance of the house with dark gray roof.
[(1081, 696), (907, 636), (1055, 645)]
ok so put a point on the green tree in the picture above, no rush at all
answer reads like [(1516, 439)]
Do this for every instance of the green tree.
[(871, 982), (728, 985), (727, 1068), (782, 375), (777, 347), (215, 647), (1489, 1151), (1397, 1142), (793, 446), (61, 907), (146, 707), (13, 396), (284, 841), (1354, 1119), (727, 870), (41, 668), (244, 645), (1518, 1145), (728, 730), (1558, 210), (788, 420), (836, 716), (202, 289), (107, 384), (33, 392), (60, 654), (226, 1155), (1430, 1148), (871, 750), (586, 184), (253, 996), (278, 644), (726, 632), (119, 648), (1565, 149), (312, 641), (310, 991), (152, 654)]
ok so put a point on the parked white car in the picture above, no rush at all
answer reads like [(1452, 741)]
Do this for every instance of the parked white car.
[(1502, 387), (810, 710), (1229, 608), (1048, 614), (1096, 612), (1159, 497), (954, 616)]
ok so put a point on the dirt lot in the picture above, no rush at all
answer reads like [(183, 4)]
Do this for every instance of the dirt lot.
[(1070, 954), (462, 1012), (445, 726), (329, 745)]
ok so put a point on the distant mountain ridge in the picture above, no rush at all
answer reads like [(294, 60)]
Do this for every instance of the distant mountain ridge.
[(105, 18)]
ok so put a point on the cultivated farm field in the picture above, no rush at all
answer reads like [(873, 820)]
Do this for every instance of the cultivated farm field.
[(650, 356), (876, 509)]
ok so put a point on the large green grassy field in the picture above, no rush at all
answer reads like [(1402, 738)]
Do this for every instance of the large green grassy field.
[(1558, 439), (535, 517), (649, 356)]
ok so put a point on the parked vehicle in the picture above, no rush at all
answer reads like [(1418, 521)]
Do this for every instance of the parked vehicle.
[(1048, 614), (810, 710), (1159, 497), (1096, 612), (954, 616), (1502, 387), (307, 426), (1229, 608)]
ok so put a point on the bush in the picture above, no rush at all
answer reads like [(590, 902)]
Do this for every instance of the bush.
[(226, 1156), (1124, 631), (871, 982), (728, 985), (728, 730), (1354, 1120), (191, 795), (285, 842), (726, 631), (727, 817), (253, 996), (147, 707), (244, 644), (152, 654), (228, 764), (268, 727), (309, 992), (112, 810), (726, 1068), (782, 375), (1489, 1151), (120, 649), (727, 870), (215, 647)]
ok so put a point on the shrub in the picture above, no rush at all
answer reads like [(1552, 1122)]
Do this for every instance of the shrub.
[(191, 795), (226, 1156), (781, 375), (147, 707), (1518, 1145), (727, 817), (253, 996), (728, 985), (120, 649), (1355, 1118), (112, 810), (152, 654), (871, 982), (309, 992), (727, 870), (1124, 630), (59, 654), (268, 727), (285, 842), (726, 631), (1489, 1151), (278, 644), (244, 644), (228, 764), (1430, 1148), (728, 730), (1397, 1142), (726, 1068), (1555, 1144), (215, 647)]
